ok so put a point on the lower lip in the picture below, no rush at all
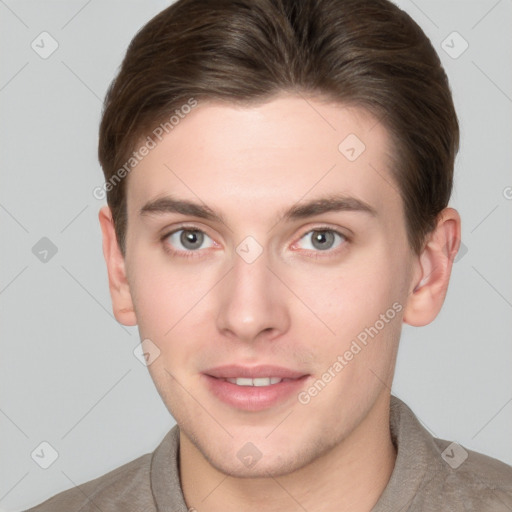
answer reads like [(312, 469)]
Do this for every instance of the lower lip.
[(253, 398)]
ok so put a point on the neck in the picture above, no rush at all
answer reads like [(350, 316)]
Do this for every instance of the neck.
[(352, 475)]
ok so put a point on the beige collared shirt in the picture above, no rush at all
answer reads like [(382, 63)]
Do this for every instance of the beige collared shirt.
[(430, 475)]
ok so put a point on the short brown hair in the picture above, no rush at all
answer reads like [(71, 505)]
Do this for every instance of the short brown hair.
[(366, 53)]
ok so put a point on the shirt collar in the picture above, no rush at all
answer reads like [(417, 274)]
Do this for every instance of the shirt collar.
[(416, 458)]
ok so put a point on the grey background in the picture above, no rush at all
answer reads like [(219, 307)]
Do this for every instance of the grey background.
[(67, 369)]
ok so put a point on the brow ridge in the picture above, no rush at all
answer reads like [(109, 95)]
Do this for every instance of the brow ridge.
[(332, 203)]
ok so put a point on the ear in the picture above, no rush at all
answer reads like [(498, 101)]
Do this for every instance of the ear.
[(433, 270), (119, 288)]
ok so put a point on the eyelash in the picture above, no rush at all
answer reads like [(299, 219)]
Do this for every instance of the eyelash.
[(196, 254), (329, 252), (182, 254)]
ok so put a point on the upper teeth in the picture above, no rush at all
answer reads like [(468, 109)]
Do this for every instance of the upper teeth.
[(261, 381)]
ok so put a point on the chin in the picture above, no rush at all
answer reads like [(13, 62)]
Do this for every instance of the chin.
[(261, 469)]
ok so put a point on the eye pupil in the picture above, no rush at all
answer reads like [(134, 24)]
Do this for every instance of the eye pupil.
[(322, 237), (191, 239)]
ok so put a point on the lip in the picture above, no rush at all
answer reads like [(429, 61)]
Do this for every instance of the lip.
[(252, 372), (253, 398)]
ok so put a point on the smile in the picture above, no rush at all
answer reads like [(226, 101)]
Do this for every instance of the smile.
[(261, 381)]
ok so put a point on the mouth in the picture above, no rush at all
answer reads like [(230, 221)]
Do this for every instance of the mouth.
[(258, 382), (256, 388)]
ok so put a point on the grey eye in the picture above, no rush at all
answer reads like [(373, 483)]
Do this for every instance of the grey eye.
[(323, 239), (188, 239), (191, 239)]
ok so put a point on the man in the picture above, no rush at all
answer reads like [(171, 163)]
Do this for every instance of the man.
[(278, 176)]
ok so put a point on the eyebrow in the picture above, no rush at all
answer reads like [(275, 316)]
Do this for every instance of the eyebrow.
[(332, 203)]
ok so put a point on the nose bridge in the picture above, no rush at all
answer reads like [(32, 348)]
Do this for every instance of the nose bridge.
[(250, 299)]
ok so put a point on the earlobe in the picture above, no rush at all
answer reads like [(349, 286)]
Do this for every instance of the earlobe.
[(122, 303), (433, 270)]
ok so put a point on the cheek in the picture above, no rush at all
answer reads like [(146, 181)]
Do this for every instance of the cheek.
[(162, 292), (350, 296), (171, 308), (362, 306), (364, 311), (155, 302)]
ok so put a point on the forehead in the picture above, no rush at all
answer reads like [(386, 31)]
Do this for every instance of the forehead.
[(261, 158)]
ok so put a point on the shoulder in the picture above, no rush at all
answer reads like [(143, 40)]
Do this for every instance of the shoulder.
[(125, 488), (477, 480), (146, 484), (434, 474)]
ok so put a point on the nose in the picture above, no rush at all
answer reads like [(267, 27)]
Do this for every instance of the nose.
[(252, 302)]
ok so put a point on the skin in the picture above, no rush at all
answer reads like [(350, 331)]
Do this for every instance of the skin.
[(287, 307)]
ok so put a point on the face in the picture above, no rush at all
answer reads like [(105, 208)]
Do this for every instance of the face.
[(252, 276)]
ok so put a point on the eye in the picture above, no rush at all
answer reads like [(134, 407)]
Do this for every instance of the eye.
[(323, 239), (187, 240)]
